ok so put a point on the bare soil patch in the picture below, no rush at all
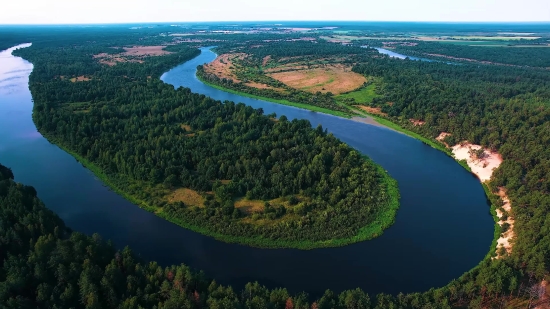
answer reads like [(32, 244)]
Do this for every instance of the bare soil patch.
[(334, 78), (221, 66), (442, 137), (417, 122), (187, 196), (145, 51), (481, 164), (372, 110), (81, 78), (505, 238)]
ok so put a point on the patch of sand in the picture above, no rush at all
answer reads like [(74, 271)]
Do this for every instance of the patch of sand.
[(187, 196), (81, 78), (333, 78), (371, 110), (481, 165), (442, 137), (506, 237), (417, 122)]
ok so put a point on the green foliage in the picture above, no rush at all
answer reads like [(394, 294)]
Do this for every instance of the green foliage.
[(362, 96), (146, 139), (44, 265), (521, 56)]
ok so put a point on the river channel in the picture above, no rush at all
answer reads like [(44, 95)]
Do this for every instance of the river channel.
[(442, 229)]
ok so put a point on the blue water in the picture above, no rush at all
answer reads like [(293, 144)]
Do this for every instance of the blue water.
[(443, 227)]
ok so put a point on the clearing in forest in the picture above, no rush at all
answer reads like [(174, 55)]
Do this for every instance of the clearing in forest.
[(223, 66), (336, 79), (187, 196), (131, 54)]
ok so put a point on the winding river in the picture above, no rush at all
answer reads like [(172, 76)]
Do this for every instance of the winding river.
[(443, 227)]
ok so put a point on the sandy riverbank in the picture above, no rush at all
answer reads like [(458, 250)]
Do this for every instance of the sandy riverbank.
[(483, 162)]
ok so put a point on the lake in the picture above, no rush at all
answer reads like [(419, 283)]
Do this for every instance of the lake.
[(442, 229)]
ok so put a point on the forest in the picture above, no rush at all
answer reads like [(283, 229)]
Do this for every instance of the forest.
[(502, 108), (43, 264), (285, 55), (298, 186), (520, 56)]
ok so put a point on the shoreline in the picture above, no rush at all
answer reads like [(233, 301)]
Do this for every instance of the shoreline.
[(483, 165), (371, 231), (499, 240)]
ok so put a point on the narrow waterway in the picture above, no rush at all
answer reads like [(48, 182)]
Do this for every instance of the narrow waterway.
[(443, 227)]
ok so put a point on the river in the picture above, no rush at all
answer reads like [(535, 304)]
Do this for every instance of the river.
[(442, 229)]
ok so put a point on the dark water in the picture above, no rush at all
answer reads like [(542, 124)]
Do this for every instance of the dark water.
[(442, 229)]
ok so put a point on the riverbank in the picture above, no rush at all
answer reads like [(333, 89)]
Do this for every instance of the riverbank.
[(384, 219), (482, 163), (482, 169), (283, 102)]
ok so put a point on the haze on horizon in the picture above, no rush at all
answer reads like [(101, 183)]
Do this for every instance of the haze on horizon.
[(124, 11)]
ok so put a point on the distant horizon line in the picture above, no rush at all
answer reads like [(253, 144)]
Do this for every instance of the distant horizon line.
[(274, 21)]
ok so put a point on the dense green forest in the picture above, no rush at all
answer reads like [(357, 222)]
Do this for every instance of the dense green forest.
[(502, 108), (45, 265), (150, 142), (522, 56)]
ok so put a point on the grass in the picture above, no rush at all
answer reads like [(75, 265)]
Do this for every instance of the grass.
[(283, 102), (364, 95), (187, 196)]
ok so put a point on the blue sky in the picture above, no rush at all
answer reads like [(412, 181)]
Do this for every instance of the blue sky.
[(122, 11)]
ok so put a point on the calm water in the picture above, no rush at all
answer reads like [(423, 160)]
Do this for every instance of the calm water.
[(442, 229), (397, 55)]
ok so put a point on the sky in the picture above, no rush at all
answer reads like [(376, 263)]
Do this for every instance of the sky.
[(124, 11)]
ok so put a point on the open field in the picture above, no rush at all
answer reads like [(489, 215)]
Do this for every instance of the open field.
[(131, 54), (187, 196), (336, 79), (362, 96), (145, 51), (80, 79)]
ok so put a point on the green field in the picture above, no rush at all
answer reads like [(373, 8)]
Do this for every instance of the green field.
[(362, 96)]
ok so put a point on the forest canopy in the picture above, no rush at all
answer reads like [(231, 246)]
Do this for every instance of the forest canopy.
[(222, 169)]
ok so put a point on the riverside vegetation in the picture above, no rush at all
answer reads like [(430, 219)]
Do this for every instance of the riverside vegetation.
[(43, 264), (224, 170), (501, 108)]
